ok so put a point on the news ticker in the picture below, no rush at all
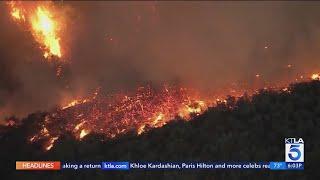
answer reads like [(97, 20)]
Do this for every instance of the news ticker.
[(294, 160), (125, 166)]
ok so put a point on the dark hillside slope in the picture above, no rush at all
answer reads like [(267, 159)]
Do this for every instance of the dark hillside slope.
[(249, 129)]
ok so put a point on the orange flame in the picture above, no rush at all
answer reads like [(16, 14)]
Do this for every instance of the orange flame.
[(138, 112), (17, 14), (43, 26), (83, 133), (45, 32), (315, 77), (74, 103), (51, 143)]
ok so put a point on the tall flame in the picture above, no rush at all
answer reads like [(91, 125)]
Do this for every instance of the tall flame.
[(45, 32), (42, 23)]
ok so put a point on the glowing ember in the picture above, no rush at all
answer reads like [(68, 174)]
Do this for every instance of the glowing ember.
[(147, 108), (315, 77), (59, 71), (83, 133), (10, 123), (16, 14), (44, 132), (197, 107), (141, 129), (75, 102), (79, 126), (120, 114), (157, 121), (51, 143), (33, 138), (192, 108)]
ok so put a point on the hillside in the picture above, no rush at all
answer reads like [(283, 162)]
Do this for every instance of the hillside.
[(248, 129)]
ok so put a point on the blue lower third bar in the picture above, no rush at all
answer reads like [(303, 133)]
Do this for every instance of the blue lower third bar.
[(278, 166), (115, 166)]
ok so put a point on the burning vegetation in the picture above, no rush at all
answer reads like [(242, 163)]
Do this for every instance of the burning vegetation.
[(269, 115), (119, 114)]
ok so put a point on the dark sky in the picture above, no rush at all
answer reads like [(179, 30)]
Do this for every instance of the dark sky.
[(117, 45)]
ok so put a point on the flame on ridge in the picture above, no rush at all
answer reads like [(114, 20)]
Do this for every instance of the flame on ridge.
[(139, 112)]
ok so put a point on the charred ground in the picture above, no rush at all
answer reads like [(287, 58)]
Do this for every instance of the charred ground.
[(247, 129)]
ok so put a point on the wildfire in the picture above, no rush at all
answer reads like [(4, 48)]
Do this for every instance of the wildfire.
[(74, 103), (17, 14), (315, 77), (157, 120), (45, 32), (197, 107), (118, 114), (141, 129), (193, 108), (83, 133), (42, 23), (147, 108), (51, 142), (78, 126)]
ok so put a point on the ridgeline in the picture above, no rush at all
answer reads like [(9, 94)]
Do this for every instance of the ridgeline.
[(247, 129)]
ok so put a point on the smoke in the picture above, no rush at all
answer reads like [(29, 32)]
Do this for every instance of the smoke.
[(118, 45)]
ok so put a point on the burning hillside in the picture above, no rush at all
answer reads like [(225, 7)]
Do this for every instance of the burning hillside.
[(269, 115), (119, 114), (158, 81), (118, 47)]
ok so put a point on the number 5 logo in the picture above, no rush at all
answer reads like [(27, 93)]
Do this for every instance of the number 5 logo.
[(294, 152)]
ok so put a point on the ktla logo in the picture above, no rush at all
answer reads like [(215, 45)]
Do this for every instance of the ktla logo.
[(294, 150)]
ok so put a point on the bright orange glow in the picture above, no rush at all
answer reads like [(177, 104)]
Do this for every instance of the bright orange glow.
[(83, 133), (51, 143), (140, 111), (157, 120), (45, 32), (17, 14), (43, 26), (78, 126), (141, 129), (74, 103), (119, 114), (315, 77)]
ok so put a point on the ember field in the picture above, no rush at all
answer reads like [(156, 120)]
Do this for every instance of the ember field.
[(222, 133)]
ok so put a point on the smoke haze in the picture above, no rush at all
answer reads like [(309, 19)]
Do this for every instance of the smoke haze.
[(118, 45)]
